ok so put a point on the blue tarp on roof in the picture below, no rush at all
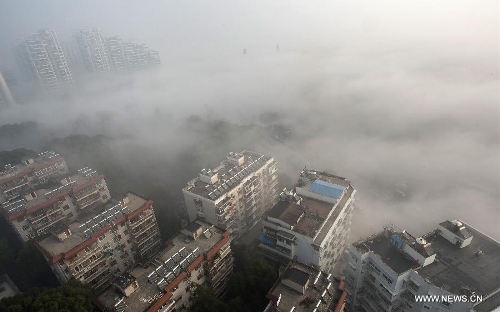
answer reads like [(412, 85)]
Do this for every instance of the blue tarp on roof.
[(327, 189), (268, 240)]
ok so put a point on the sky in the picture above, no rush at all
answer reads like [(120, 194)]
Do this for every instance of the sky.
[(386, 93)]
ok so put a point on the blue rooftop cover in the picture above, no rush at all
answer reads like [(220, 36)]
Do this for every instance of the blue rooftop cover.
[(397, 239), (265, 239), (327, 189)]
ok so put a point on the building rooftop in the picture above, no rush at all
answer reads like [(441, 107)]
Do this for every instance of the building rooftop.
[(91, 223), (489, 305), (7, 287), (28, 164), (321, 289), (286, 211), (31, 200), (179, 254), (312, 217), (457, 230), (323, 182), (228, 175), (475, 267), (380, 244), (331, 220)]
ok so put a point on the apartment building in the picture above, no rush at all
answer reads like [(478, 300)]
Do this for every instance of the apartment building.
[(104, 243), (125, 55), (32, 210), (41, 58), (6, 98), (455, 263), (235, 194), (94, 51), (311, 223), (199, 254), (30, 173), (302, 288)]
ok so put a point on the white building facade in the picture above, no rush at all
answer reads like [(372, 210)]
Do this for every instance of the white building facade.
[(387, 271), (234, 195), (312, 224)]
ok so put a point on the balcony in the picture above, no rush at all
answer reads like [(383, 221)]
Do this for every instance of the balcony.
[(138, 231), (146, 215)]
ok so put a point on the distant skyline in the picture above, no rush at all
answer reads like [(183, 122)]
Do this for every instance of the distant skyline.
[(174, 27)]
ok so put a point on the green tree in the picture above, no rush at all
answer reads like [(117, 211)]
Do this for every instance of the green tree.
[(71, 297), (204, 300)]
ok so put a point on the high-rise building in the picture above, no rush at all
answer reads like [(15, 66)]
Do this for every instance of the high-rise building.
[(100, 245), (93, 50), (311, 224), (6, 98), (116, 52), (34, 210), (199, 254), (301, 288), (41, 58), (30, 173), (453, 268), (236, 194), (124, 55)]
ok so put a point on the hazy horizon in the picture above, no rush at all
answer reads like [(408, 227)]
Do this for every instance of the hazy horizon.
[(385, 94)]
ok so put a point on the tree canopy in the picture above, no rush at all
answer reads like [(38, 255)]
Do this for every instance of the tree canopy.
[(71, 297)]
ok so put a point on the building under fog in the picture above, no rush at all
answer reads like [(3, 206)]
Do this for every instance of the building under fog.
[(42, 60), (6, 98), (301, 288), (93, 50), (124, 55), (310, 224), (387, 270), (235, 194), (199, 254), (103, 243)]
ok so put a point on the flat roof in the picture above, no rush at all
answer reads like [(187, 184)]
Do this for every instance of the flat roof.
[(304, 302), (380, 244), (459, 268), (311, 176), (298, 276), (329, 222), (7, 287), (54, 246), (489, 305), (286, 211), (23, 166), (148, 292), (228, 172), (47, 192), (308, 217)]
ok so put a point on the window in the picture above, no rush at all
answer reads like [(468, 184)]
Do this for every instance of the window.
[(427, 307), (113, 263), (198, 202), (69, 215), (102, 237), (26, 227), (66, 207), (125, 232), (104, 197)]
